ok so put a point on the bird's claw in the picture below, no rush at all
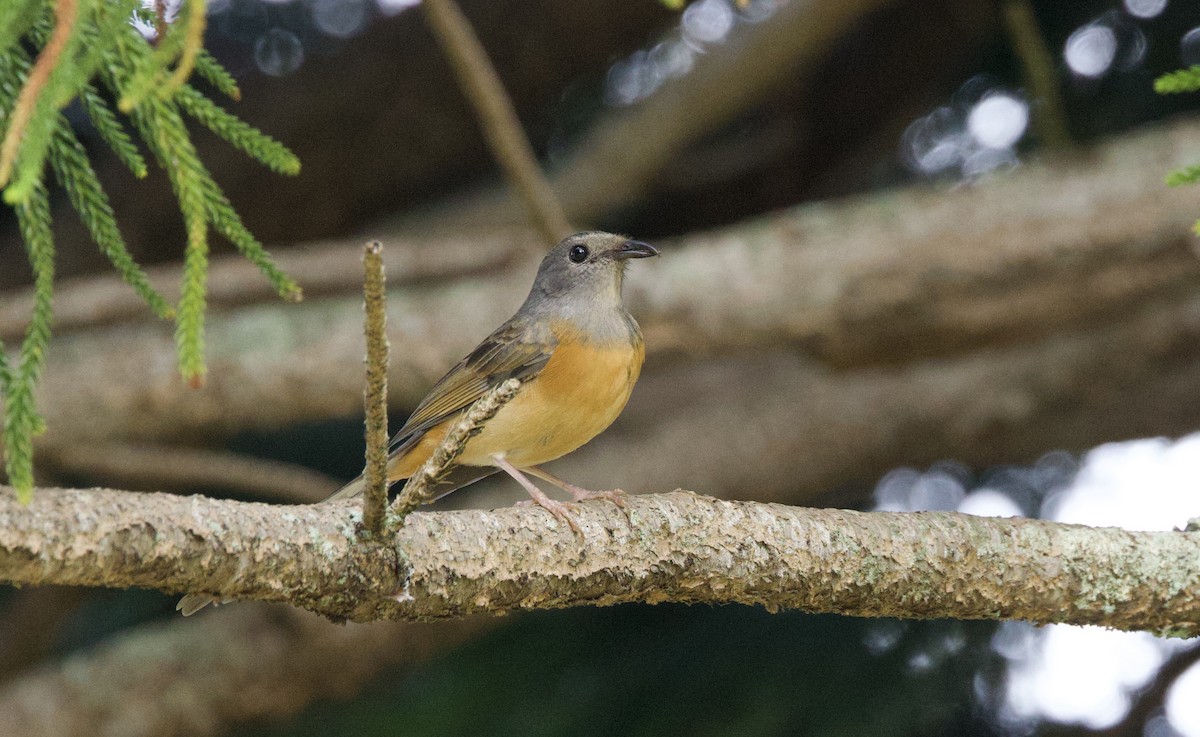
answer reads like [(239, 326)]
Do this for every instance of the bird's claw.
[(563, 511), (616, 496)]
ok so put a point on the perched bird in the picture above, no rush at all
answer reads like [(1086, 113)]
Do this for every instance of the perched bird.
[(577, 352)]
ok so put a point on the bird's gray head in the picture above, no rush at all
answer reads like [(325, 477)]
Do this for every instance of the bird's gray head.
[(587, 267)]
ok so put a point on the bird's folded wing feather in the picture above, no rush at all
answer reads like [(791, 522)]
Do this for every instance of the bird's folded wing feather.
[(510, 352)]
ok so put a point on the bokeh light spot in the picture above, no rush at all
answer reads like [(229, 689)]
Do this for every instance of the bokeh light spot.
[(1090, 50), (1189, 48), (1183, 703), (707, 21), (1145, 8), (392, 7), (341, 18), (989, 503), (998, 120), (1082, 675), (278, 52)]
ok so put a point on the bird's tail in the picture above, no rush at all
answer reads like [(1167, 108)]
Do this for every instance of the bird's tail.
[(349, 491), (193, 603)]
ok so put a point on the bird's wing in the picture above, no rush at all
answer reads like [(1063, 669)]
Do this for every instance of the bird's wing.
[(510, 352)]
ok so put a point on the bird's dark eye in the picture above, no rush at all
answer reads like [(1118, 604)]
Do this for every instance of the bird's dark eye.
[(577, 254)]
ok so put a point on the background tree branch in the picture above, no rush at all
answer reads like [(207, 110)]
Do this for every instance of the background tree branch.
[(887, 330), (497, 118), (666, 547), (197, 676), (620, 157)]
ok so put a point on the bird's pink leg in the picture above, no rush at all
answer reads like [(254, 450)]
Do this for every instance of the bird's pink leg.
[(578, 493), (561, 510)]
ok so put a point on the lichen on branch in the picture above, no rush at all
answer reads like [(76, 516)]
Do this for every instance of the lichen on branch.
[(676, 547)]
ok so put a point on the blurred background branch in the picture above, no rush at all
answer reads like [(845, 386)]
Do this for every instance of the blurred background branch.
[(497, 118), (244, 663), (146, 466)]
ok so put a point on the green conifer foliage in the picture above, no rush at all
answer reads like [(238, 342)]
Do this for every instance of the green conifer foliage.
[(1184, 80), (53, 52)]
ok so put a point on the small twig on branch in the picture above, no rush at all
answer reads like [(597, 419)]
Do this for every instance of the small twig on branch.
[(1038, 67), (676, 547), (497, 117), (375, 391), (64, 23), (419, 489), (160, 21)]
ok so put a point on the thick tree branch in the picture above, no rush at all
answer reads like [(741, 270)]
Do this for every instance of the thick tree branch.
[(669, 547)]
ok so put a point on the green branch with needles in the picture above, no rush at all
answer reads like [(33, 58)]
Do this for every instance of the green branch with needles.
[(90, 51)]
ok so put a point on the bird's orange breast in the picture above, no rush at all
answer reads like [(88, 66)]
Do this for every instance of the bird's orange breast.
[(579, 392)]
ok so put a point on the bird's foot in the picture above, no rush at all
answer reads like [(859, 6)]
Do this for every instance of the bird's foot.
[(563, 511), (616, 496), (578, 493)]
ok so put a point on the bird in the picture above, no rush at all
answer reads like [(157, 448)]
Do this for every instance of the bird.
[(577, 353)]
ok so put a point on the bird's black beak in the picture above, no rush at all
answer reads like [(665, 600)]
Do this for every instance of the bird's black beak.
[(634, 249)]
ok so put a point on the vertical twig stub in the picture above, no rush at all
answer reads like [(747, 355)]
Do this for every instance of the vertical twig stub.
[(375, 392), (418, 489), (497, 117)]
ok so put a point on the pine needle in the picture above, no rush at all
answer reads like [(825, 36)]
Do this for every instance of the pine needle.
[(82, 42), (74, 172), (16, 17), (112, 132), (211, 71), (21, 419), (1186, 175), (259, 146), (193, 39)]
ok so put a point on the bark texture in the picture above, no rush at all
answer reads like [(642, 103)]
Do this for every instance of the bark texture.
[(677, 547)]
